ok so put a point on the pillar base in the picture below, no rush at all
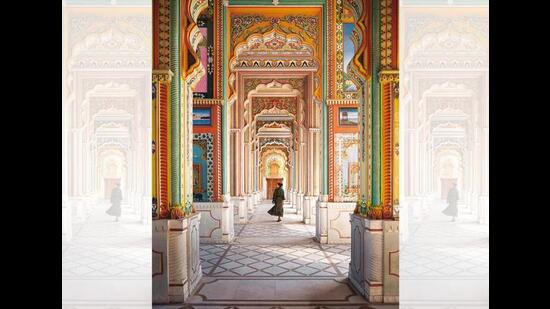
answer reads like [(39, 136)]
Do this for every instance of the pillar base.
[(66, 221), (483, 205), (374, 266), (309, 209), (216, 224), (299, 203), (290, 198), (332, 224), (176, 259), (250, 202), (243, 210)]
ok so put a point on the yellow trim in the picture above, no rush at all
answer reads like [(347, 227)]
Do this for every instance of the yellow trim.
[(154, 133), (395, 151), (169, 143), (382, 136)]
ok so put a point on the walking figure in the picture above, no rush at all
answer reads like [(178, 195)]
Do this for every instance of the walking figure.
[(278, 198), (452, 199), (116, 197)]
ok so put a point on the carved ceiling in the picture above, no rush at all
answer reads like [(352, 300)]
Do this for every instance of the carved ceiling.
[(274, 49)]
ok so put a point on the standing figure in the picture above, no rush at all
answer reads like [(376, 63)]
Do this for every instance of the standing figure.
[(278, 198), (116, 197), (452, 199)]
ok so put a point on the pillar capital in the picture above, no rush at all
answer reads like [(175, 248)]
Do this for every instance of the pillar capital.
[(162, 76), (388, 76)]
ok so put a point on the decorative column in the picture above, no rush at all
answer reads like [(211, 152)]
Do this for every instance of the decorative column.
[(176, 263), (66, 216), (321, 226), (301, 181), (161, 143), (389, 85), (313, 177), (175, 103), (243, 210), (225, 111), (374, 266)]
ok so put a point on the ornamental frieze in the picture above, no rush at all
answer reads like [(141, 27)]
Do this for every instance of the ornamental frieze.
[(260, 104), (241, 23)]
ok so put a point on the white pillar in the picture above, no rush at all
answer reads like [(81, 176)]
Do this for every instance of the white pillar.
[(243, 210), (250, 202), (228, 228), (309, 208), (67, 231), (299, 203), (78, 204), (321, 225)]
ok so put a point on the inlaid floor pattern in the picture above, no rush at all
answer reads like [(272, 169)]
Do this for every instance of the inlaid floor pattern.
[(274, 265)]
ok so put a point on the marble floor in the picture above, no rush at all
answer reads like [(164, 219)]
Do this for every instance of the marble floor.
[(107, 264), (445, 264), (274, 265)]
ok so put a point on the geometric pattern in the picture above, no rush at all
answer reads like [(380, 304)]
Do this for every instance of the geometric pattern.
[(208, 137), (95, 252), (250, 256), (274, 265), (439, 249)]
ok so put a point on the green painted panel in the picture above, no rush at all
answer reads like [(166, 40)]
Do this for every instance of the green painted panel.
[(324, 130), (376, 151), (225, 110), (175, 99)]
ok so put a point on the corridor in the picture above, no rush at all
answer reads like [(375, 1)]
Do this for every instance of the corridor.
[(274, 265)]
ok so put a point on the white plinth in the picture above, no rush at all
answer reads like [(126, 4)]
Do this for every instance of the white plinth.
[(176, 261), (243, 211), (299, 203), (66, 229), (250, 202), (309, 214), (483, 209), (216, 224), (332, 224), (374, 266)]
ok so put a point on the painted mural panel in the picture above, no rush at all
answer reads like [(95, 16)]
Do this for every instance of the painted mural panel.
[(202, 116), (349, 51), (347, 166), (205, 53), (203, 167), (348, 116)]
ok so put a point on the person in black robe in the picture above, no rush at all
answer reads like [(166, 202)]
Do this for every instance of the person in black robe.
[(278, 198), (116, 198), (452, 200)]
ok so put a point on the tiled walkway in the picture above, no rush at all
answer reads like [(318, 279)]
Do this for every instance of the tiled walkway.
[(274, 265), (443, 263), (106, 256)]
